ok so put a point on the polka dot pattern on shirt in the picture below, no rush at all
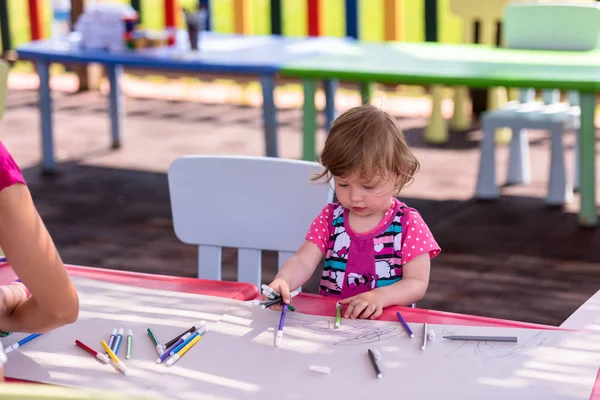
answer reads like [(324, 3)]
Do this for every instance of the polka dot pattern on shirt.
[(319, 229), (418, 238)]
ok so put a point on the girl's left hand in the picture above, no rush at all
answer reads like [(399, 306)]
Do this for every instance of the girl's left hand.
[(366, 305)]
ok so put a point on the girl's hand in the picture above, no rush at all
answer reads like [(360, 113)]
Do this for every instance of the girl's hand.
[(366, 305), (10, 296), (283, 288)]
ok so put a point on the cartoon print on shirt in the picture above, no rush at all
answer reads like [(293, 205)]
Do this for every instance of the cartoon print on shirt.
[(386, 269), (355, 280), (340, 246)]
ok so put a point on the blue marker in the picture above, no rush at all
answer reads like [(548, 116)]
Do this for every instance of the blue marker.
[(199, 332), (115, 349), (21, 343)]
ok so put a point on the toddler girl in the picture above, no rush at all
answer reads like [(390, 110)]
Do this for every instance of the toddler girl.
[(377, 250)]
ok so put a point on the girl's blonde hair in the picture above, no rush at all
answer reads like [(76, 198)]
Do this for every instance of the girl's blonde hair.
[(368, 140)]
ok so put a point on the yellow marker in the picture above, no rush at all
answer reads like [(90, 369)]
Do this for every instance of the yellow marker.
[(184, 350), (117, 363)]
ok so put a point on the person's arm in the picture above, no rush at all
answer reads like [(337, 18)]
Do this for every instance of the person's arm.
[(412, 287), (34, 258), (299, 268)]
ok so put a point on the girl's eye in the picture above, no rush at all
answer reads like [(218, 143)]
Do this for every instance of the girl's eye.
[(368, 187), (342, 184)]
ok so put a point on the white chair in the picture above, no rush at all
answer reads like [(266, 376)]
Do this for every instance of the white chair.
[(535, 26), (249, 203)]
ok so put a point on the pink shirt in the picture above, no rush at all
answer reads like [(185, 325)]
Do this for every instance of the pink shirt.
[(9, 171), (418, 239)]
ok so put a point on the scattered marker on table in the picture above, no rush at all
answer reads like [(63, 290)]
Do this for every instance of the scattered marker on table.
[(511, 339), (170, 351), (184, 350), (118, 364), (424, 346), (375, 363), (406, 326), (159, 347), (111, 340), (129, 344), (193, 329), (20, 343), (338, 315), (99, 356), (118, 341)]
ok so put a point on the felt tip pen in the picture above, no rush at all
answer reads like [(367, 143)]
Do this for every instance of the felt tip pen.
[(159, 347), (193, 329), (279, 334), (338, 314), (169, 352), (184, 350), (375, 364), (118, 341), (424, 346), (99, 356), (199, 332), (406, 326), (111, 340), (20, 343), (118, 364), (512, 339), (129, 344)]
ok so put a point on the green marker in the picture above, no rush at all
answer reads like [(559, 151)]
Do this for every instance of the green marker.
[(338, 315), (129, 343), (291, 308), (159, 348)]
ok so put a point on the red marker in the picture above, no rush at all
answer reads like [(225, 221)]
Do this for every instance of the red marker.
[(101, 357)]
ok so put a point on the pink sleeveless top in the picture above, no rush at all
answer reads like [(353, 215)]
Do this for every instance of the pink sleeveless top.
[(9, 171)]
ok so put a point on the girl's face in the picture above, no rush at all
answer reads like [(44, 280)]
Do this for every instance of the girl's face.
[(365, 198)]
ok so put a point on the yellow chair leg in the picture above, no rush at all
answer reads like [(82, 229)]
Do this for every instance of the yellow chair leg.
[(513, 94), (460, 120), (436, 131), (497, 97)]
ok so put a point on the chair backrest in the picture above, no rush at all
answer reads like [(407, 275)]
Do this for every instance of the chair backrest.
[(565, 26), (552, 26), (4, 68), (250, 203), (486, 12)]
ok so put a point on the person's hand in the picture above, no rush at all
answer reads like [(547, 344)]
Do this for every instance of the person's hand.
[(282, 287), (10, 296), (366, 305)]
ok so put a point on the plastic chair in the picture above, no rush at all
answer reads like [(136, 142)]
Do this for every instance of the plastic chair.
[(487, 13), (251, 203), (547, 27)]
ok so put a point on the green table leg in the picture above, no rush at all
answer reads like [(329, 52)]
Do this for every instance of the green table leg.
[(309, 121), (366, 91), (587, 161)]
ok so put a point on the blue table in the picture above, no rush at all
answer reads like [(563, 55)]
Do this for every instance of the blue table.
[(220, 54)]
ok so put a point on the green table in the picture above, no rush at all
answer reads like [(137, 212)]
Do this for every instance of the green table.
[(464, 65)]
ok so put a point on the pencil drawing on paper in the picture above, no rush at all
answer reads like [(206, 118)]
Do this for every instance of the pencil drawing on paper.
[(349, 333), (489, 351)]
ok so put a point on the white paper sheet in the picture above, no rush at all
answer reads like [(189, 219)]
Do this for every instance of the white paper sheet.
[(236, 358), (54, 358)]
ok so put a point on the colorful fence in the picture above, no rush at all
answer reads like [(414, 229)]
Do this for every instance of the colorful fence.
[(369, 20)]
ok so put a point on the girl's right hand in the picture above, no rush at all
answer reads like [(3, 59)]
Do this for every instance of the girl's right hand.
[(283, 288)]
